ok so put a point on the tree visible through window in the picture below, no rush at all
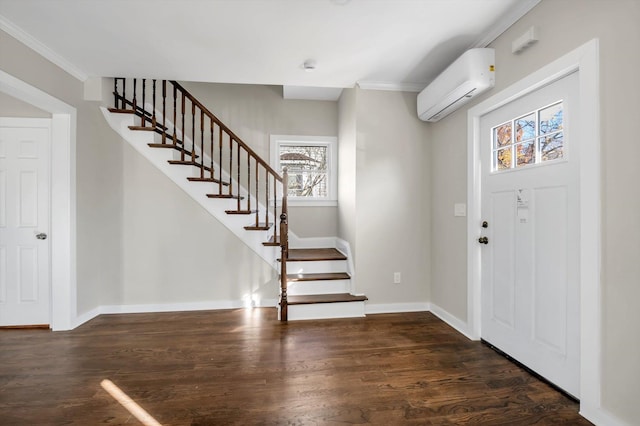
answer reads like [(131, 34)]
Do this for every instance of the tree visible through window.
[(531, 139), (312, 166), (307, 168)]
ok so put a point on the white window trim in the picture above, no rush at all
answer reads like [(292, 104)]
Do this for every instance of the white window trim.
[(332, 144)]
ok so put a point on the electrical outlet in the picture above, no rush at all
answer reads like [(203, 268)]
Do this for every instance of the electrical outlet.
[(397, 278)]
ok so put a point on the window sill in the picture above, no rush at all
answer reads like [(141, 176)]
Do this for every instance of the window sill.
[(311, 203), (292, 202)]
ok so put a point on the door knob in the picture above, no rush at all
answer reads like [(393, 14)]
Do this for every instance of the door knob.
[(41, 236), (483, 240)]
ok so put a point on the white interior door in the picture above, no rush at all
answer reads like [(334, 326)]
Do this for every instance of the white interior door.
[(530, 258), (24, 222)]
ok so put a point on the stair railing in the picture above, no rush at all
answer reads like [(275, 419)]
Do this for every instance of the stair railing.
[(221, 157), (284, 248)]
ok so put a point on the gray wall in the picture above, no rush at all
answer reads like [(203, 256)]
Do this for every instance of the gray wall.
[(12, 107), (563, 26), (174, 251), (140, 240), (388, 187), (254, 113), (98, 174), (347, 168)]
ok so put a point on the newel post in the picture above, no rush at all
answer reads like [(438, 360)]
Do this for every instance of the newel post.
[(115, 92), (284, 247)]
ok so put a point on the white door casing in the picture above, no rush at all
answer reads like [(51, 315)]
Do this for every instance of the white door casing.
[(63, 201), (24, 221), (584, 60), (530, 279)]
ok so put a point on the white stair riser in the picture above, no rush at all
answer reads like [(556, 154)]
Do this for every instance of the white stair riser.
[(299, 288), (326, 311), (316, 267)]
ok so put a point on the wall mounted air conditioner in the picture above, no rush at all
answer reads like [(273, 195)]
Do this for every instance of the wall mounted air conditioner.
[(470, 74)]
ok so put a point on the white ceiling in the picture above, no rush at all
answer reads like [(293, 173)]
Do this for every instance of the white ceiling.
[(394, 44)]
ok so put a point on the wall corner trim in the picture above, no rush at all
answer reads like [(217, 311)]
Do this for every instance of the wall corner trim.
[(455, 322)]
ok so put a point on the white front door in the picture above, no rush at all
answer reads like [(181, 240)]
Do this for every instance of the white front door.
[(531, 222), (24, 222)]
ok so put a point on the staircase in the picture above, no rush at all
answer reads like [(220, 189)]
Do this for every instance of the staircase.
[(192, 147)]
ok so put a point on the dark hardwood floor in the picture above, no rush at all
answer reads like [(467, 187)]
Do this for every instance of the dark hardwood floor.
[(242, 367)]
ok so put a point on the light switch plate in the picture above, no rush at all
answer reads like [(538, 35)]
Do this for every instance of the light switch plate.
[(460, 209)]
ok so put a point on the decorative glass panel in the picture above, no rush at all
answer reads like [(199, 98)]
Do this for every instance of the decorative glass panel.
[(551, 119), (502, 135), (526, 127), (552, 146), (503, 159), (525, 153), (538, 138)]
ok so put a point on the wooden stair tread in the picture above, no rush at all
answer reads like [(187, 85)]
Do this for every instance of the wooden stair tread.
[(324, 298), (272, 243), (143, 128), (318, 277), (226, 196), (159, 128), (259, 227), (314, 254), (121, 111), (239, 211), (189, 163), (171, 146), (207, 179)]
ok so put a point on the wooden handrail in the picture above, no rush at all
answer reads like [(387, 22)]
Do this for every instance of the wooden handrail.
[(225, 128), (255, 185)]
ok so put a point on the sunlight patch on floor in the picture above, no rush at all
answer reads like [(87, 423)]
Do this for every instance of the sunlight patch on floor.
[(137, 411)]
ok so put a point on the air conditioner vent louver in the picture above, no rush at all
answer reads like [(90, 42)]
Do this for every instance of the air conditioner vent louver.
[(468, 76), (451, 107)]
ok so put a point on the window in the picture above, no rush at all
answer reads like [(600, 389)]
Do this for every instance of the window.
[(311, 163), (533, 138)]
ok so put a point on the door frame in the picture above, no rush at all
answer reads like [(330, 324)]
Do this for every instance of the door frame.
[(62, 197), (585, 61)]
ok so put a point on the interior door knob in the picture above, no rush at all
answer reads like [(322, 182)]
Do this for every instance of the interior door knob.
[(483, 240), (41, 236)]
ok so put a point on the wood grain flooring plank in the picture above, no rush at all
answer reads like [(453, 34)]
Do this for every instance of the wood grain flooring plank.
[(243, 367)]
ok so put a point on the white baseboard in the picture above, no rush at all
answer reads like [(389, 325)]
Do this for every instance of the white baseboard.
[(390, 308), (86, 317), (600, 416), (170, 307), (453, 321)]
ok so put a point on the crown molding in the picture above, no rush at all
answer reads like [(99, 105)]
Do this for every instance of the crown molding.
[(507, 20), (27, 39)]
